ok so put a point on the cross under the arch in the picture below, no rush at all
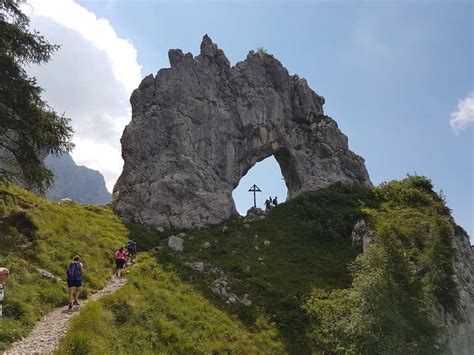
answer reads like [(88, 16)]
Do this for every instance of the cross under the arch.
[(254, 189)]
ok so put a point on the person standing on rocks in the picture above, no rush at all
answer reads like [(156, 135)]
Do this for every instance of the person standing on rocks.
[(120, 259), (74, 274), (275, 201), (268, 204)]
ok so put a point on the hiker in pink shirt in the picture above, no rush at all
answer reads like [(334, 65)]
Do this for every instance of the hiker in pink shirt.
[(120, 258)]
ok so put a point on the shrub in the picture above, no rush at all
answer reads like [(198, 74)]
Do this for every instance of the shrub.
[(382, 313), (262, 52)]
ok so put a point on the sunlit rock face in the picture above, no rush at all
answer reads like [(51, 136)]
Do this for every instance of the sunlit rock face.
[(199, 126)]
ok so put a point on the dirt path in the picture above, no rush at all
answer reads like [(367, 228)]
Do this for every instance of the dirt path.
[(45, 337)]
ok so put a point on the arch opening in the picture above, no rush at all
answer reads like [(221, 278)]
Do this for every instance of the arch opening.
[(267, 175)]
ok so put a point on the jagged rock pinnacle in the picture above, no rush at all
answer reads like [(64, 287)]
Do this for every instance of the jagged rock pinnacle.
[(200, 125)]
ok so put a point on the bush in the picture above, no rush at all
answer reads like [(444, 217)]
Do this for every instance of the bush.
[(261, 52), (15, 309), (382, 313)]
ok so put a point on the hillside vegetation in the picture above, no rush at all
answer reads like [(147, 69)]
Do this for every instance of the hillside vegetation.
[(290, 282), (156, 313), (301, 253), (39, 234)]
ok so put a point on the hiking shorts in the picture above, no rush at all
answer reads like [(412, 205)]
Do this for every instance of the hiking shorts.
[(120, 263), (74, 283)]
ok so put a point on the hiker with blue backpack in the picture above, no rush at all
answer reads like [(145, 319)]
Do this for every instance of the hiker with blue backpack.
[(74, 274)]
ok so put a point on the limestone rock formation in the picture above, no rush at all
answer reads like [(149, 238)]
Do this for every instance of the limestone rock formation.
[(78, 183), (459, 328), (199, 126), (361, 234), (459, 337)]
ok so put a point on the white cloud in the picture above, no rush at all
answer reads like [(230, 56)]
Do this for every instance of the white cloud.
[(90, 79), (463, 117)]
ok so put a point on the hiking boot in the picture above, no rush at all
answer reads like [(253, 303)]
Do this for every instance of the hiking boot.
[(70, 306), (76, 303)]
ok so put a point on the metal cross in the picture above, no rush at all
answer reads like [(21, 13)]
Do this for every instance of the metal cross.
[(254, 189)]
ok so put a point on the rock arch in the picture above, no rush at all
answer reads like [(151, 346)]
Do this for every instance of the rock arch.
[(200, 125)]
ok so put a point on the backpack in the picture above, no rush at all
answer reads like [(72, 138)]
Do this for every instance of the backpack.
[(74, 271), (131, 245)]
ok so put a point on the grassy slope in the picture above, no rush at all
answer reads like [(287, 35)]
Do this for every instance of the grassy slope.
[(36, 233), (155, 312), (158, 310), (168, 307), (309, 247)]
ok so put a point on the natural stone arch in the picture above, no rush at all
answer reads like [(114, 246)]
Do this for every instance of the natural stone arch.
[(200, 125)]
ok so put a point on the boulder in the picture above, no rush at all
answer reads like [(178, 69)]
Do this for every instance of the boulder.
[(361, 234), (176, 243), (197, 265), (48, 275), (154, 250), (245, 300)]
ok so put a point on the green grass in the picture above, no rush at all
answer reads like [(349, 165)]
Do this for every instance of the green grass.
[(36, 233), (310, 247), (155, 312), (166, 307)]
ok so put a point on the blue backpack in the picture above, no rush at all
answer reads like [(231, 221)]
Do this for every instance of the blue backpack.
[(74, 271)]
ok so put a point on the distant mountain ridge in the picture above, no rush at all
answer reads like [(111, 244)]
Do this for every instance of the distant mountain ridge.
[(79, 183)]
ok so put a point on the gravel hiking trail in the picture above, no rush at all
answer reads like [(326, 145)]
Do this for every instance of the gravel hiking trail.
[(45, 336)]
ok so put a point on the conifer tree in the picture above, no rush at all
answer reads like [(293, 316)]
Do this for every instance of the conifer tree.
[(29, 128)]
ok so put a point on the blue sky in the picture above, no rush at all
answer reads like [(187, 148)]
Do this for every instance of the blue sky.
[(392, 72)]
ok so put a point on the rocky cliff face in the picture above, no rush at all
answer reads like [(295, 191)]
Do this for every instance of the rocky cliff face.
[(460, 328), (199, 126), (79, 183)]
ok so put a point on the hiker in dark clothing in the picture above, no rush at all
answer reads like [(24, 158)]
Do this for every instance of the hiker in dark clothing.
[(131, 250), (275, 201), (74, 274), (268, 205)]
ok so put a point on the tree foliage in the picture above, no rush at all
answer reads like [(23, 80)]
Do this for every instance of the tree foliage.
[(382, 313), (29, 128), (399, 281)]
